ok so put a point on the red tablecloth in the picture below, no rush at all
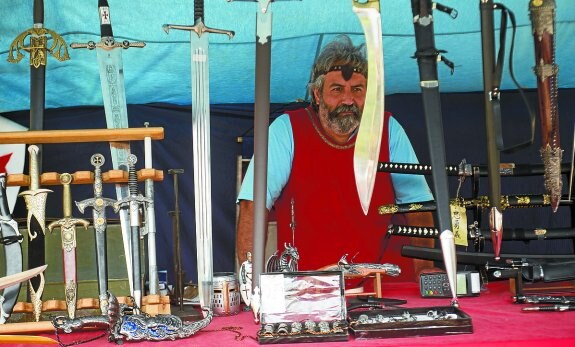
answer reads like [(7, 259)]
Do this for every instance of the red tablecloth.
[(496, 322)]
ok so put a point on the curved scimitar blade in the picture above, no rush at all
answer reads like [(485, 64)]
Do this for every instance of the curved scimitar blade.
[(21, 277), (366, 154)]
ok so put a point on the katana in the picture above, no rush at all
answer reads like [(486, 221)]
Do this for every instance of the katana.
[(465, 169), (199, 34), (150, 220), (35, 198), (11, 238), (109, 53), (516, 234), (366, 151), (427, 56), (506, 201), (39, 46), (67, 227), (134, 201), (99, 204), (542, 15)]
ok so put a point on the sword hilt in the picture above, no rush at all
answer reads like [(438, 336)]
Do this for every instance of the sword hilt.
[(34, 168), (132, 175), (97, 160), (198, 10)]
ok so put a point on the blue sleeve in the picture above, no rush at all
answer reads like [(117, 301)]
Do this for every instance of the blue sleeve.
[(408, 188), (280, 158)]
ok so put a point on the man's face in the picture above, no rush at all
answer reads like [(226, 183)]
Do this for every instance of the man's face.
[(341, 102)]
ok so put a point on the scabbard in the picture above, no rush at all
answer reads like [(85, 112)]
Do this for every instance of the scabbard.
[(482, 258), (560, 271), (542, 15)]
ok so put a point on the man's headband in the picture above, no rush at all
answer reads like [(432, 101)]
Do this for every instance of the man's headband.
[(346, 71)]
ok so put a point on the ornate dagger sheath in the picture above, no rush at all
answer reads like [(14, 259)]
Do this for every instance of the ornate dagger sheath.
[(542, 14), (67, 227), (199, 34), (11, 238), (35, 198), (134, 201), (99, 204)]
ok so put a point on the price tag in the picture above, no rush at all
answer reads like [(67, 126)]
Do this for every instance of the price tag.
[(459, 223)]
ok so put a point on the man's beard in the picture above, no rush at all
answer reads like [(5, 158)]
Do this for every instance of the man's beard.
[(342, 124)]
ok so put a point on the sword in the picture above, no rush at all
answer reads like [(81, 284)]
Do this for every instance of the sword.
[(506, 201), (10, 280), (150, 220), (199, 34), (11, 238), (67, 227), (38, 48), (427, 56), (179, 274), (134, 201), (542, 15), (366, 152), (35, 198), (465, 169), (99, 204), (114, 97)]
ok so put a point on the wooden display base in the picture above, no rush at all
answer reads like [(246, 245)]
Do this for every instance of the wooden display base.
[(156, 304)]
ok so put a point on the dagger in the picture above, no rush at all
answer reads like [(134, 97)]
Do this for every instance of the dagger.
[(11, 238), (99, 204), (366, 152), (35, 198), (67, 227), (542, 15), (109, 53), (133, 202), (199, 34)]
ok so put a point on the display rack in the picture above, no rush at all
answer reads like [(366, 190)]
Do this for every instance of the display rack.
[(151, 304)]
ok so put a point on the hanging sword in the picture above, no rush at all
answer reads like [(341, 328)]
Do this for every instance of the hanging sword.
[(11, 238), (35, 198), (67, 227), (542, 15), (38, 49), (99, 204), (199, 33), (427, 56), (366, 152), (114, 97), (133, 202)]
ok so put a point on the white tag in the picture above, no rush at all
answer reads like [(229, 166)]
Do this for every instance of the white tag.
[(104, 15)]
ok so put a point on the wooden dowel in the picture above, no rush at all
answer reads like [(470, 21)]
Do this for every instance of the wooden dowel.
[(81, 135)]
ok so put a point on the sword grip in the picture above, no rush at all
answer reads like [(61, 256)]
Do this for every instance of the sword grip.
[(39, 12), (66, 180), (198, 10), (34, 168)]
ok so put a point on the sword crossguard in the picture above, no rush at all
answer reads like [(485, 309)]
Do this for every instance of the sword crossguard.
[(108, 43), (199, 28)]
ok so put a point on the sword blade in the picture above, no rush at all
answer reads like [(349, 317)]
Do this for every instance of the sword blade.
[(151, 222), (202, 164), (20, 277), (367, 144), (70, 280), (113, 93)]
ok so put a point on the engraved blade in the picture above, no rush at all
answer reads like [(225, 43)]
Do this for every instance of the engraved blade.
[(367, 144)]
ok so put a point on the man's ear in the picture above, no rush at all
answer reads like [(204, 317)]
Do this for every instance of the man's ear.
[(316, 96)]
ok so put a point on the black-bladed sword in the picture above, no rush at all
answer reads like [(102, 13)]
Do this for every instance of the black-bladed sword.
[(11, 238), (39, 47), (427, 56), (99, 204), (199, 34), (109, 52)]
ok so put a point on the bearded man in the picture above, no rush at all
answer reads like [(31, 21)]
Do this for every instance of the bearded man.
[(311, 177)]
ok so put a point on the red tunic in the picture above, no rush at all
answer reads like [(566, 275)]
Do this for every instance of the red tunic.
[(328, 215)]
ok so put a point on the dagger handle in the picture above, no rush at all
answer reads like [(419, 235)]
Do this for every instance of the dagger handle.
[(97, 161), (105, 22), (34, 168), (38, 13), (66, 180), (198, 10)]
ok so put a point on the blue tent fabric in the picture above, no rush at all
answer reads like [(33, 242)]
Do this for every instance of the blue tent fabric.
[(160, 72), (157, 79)]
